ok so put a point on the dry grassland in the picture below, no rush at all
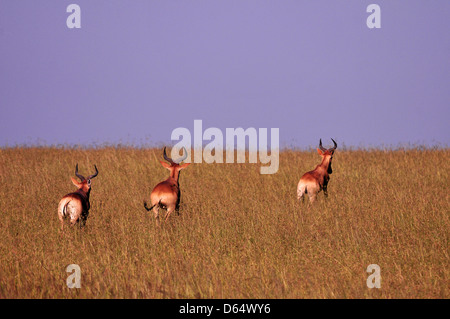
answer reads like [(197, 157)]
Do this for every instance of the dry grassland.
[(240, 234)]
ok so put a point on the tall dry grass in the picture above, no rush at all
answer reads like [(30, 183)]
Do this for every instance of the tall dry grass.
[(240, 234)]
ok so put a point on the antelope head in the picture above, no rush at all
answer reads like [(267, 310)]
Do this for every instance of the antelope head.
[(327, 154), (85, 184), (174, 166)]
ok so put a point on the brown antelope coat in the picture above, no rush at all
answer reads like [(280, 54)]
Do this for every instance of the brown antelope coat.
[(316, 180), (167, 193)]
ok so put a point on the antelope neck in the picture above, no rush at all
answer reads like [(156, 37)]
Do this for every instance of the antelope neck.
[(325, 162), (84, 194), (175, 175)]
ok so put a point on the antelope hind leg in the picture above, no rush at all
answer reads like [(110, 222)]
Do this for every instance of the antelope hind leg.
[(156, 214), (170, 209)]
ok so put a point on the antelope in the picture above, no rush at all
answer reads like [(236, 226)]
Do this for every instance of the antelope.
[(316, 180), (76, 205), (167, 193)]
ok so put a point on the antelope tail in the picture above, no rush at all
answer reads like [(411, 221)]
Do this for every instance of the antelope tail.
[(150, 208), (64, 210), (301, 190)]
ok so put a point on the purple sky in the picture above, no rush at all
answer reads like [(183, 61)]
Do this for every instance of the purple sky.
[(136, 70)]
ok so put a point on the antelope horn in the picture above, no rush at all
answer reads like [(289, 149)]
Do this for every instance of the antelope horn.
[(93, 175), (182, 158), (166, 157), (335, 145), (79, 175), (321, 147)]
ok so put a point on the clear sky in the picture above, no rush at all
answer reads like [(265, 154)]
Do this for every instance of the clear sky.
[(136, 70)]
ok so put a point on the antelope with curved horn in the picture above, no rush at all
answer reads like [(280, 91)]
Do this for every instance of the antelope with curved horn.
[(75, 206), (167, 193), (316, 180)]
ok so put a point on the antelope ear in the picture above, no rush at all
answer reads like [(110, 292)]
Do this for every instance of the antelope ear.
[(75, 182), (165, 164), (319, 151), (184, 165)]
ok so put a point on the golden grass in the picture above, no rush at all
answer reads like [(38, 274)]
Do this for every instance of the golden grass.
[(240, 234)]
